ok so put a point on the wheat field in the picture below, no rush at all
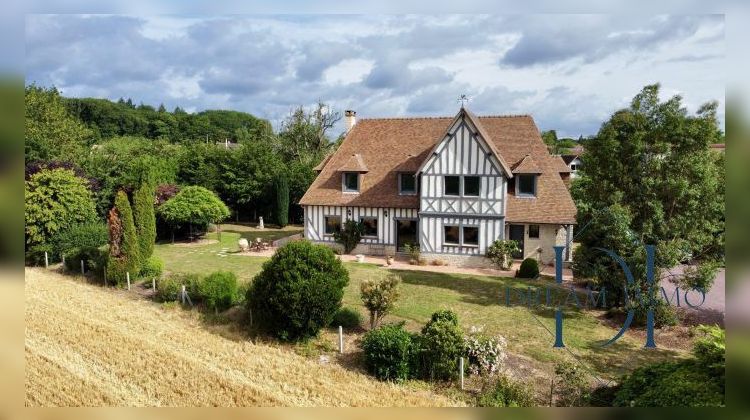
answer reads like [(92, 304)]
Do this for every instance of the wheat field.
[(89, 346)]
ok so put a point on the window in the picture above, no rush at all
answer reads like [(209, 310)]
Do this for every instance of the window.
[(526, 185), (471, 236), (471, 186), (407, 183), (451, 235), (351, 182), (452, 185), (370, 225), (534, 231), (333, 224)]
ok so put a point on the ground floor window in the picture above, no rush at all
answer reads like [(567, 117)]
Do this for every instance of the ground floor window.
[(471, 236), (534, 231), (370, 226), (451, 235), (333, 224)]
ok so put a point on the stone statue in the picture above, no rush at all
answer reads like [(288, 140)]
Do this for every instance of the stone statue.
[(260, 223), (243, 244)]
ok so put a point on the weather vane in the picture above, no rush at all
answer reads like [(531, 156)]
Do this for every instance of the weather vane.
[(463, 99)]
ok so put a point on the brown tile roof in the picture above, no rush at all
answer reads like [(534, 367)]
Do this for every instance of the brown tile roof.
[(526, 166), (388, 146), (354, 164), (322, 163)]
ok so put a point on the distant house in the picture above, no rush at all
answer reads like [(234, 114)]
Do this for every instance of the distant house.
[(573, 160), (451, 185)]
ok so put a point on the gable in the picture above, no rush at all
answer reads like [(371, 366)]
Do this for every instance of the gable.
[(462, 151)]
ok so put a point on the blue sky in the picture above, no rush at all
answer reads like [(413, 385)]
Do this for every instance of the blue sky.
[(569, 71)]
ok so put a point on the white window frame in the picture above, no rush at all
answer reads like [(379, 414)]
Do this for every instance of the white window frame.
[(445, 242), (377, 226), (343, 183), (518, 186), (464, 244), (463, 185), (538, 231), (445, 186), (402, 192), (461, 242), (325, 223)]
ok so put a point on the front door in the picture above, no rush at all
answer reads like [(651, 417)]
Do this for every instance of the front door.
[(516, 234), (406, 233)]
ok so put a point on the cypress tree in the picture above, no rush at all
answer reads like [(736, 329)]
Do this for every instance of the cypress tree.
[(145, 219), (282, 200), (124, 255)]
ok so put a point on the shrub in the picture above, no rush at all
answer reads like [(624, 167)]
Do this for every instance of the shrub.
[(603, 396), (529, 269), (145, 219), (350, 235), (669, 384), (124, 253), (35, 254), (168, 288), (348, 318), (501, 252), (571, 388), (379, 297), (709, 351), (504, 392), (485, 354), (94, 260), (415, 254), (440, 346), (388, 352), (664, 314), (53, 200), (153, 267), (219, 290), (298, 291), (87, 235), (193, 205), (281, 186)]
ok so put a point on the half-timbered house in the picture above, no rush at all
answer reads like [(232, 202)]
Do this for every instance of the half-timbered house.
[(450, 185)]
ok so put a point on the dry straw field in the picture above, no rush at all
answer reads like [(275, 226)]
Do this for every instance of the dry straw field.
[(88, 346)]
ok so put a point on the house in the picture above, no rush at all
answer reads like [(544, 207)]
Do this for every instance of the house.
[(573, 160), (451, 185)]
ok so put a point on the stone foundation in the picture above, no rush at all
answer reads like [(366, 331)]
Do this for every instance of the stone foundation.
[(365, 249), (465, 261)]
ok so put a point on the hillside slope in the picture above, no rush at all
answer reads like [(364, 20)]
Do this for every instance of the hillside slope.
[(89, 346)]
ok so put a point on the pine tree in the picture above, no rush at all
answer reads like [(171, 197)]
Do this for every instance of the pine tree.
[(282, 200), (124, 255), (145, 219)]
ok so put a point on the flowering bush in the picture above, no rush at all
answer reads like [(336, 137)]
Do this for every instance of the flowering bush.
[(486, 354)]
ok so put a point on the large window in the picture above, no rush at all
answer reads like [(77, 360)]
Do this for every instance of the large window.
[(534, 231), (471, 236), (471, 186), (526, 185), (452, 235), (407, 184), (371, 226), (452, 185), (351, 182), (333, 224)]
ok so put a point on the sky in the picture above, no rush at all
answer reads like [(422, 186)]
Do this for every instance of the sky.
[(570, 72)]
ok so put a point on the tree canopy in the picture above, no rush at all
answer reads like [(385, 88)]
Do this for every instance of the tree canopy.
[(650, 178), (193, 205)]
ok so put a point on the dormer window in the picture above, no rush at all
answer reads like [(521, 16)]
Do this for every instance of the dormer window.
[(350, 182), (526, 185), (407, 183)]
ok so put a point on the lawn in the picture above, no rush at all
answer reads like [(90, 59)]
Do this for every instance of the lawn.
[(478, 300)]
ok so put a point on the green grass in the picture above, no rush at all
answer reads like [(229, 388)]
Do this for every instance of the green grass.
[(478, 301)]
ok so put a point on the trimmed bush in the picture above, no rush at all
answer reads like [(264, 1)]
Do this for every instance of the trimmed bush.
[(219, 290), (153, 267), (145, 219), (350, 235), (529, 269), (94, 260), (124, 252), (505, 392), (298, 290), (87, 235), (440, 346), (168, 288), (348, 318), (388, 352)]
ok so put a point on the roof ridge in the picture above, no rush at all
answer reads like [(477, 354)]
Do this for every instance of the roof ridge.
[(443, 117)]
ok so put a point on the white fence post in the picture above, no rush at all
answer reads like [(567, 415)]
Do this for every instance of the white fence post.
[(153, 283), (83, 269), (182, 294), (62, 256), (46, 260), (127, 275), (461, 371), (341, 340)]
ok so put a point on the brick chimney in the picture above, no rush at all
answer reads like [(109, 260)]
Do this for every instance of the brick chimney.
[(350, 118)]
